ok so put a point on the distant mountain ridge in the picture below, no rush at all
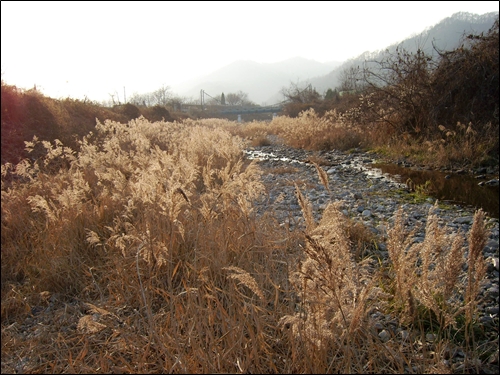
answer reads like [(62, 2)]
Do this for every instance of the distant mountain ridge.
[(445, 35), (263, 81), (259, 80)]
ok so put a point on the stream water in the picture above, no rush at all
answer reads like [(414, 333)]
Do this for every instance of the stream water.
[(454, 188)]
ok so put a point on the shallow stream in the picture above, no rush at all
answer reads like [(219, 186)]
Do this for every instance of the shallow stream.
[(455, 188)]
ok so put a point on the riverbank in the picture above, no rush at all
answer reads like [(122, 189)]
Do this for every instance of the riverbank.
[(370, 199)]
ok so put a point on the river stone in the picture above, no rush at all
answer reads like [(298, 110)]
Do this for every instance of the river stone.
[(366, 213), (493, 182), (464, 220), (331, 171), (384, 335), (493, 291), (494, 261), (492, 310), (349, 183)]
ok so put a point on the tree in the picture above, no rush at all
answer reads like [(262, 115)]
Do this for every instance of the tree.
[(232, 99), (243, 98), (146, 100), (162, 95), (176, 102), (332, 95), (117, 101), (467, 82), (238, 98), (401, 92), (350, 79), (295, 94), (300, 99), (222, 99)]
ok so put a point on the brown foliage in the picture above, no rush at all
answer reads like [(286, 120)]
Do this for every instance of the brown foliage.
[(146, 254), (130, 111), (415, 93), (467, 81), (157, 113), (29, 113)]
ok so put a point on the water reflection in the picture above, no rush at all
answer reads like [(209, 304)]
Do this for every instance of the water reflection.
[(456, 188)]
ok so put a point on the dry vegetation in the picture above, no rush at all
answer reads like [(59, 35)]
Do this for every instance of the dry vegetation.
[(142, 252), (440, 111), (26, 113), (134, 245)]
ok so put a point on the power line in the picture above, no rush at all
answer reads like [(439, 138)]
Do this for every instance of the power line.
[(205, 93)]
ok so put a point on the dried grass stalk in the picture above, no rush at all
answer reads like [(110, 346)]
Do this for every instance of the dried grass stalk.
[(323, 177)]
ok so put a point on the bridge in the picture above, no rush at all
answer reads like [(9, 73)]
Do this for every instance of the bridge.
[(239, 110), (236, 109)]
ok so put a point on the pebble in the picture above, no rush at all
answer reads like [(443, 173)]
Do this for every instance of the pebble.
[(493, 310), (494, 262), (384, 335), (368, 198), (404, 334), (464, 220)]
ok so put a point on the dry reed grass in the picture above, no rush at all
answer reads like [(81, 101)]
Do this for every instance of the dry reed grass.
[(143, 253), (461, 147), (312, 132)]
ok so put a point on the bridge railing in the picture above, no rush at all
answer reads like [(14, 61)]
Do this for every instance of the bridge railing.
[(250, 110), (234, 109)]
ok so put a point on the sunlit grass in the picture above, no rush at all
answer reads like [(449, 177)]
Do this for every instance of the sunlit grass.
[(144, 252)]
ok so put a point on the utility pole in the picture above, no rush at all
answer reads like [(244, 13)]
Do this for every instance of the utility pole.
[(201, 98), (124, 96)]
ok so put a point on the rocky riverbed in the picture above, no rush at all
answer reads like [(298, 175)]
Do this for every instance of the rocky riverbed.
[(370, 198)]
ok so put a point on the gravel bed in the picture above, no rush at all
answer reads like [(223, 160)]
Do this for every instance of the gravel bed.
[(372, 199)]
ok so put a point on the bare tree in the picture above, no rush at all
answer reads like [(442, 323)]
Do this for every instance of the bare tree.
[(136, 99), (238, 98), (176, 102), (162, 95), (398, 91), (244, 98), (295, 94), (232, 99), (115, 98), (351, 79)]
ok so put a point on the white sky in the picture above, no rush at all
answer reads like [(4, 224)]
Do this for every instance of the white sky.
[(96, 48)]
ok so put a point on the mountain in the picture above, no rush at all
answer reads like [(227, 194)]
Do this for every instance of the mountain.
[(264, 81), (259, 80), (445, 35)]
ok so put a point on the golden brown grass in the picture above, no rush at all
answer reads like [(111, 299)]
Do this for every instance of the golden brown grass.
[(428, 273), (313, 132), (461, 147), (143, 252), (29, 113)]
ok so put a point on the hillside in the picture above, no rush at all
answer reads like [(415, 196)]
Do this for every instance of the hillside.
[(263, 82), (29, 113), (445, 35)]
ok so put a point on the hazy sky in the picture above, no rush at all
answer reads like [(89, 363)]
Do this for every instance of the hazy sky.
[(96, 48)]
